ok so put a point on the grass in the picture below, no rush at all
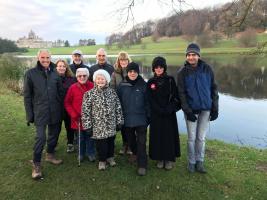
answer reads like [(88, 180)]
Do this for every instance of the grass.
[(164, 45), (232, 170)]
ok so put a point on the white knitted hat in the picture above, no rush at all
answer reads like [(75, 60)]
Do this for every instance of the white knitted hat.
[(102, 72)]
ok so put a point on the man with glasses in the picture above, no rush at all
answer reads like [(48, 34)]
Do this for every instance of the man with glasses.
[(199, 100), (101, 63), (43, 93)]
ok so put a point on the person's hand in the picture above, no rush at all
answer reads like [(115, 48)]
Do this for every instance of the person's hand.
[(191, 117), (213, 115), (118, 127)]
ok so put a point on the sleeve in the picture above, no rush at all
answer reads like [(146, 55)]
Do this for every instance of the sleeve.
[(118, 110), (61, 91), (28, 97), (68, 104), (113, 81), (147, 104), (174, 100), (181, 92), (214, 94), (87, 111)]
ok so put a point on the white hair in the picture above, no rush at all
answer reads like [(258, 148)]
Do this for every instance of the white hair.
[(43, 50), (103, 73), (82, 70)]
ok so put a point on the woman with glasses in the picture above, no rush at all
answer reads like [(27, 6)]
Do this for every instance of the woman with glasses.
[(73, 104)]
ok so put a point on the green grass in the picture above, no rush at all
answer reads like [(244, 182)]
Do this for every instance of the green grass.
[(165, 45), (231, 169)]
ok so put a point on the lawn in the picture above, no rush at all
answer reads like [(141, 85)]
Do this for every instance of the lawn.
[(233, 172)]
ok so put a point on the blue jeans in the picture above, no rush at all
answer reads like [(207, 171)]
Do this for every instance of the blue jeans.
[(197, 132), (87, 144)]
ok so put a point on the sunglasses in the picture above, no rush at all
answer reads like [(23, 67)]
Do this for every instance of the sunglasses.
[(79, 76)]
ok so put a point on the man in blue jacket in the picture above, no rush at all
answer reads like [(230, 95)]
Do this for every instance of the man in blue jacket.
[(199, 100)]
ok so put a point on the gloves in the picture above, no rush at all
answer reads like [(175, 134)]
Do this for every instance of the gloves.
[(118, 127), (191, 117), (89, 132), (214, 115)]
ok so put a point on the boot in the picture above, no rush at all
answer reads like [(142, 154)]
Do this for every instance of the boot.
[(200, 167), (141, 171), (191, 167), (111, 161), (168, 165), (50, 157), (102, 165), (36, 170), (123, 150), (160, 164)]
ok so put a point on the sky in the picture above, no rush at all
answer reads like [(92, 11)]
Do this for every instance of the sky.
[(81, 19)]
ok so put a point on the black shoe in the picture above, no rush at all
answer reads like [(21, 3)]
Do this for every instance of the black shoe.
[(191, 167), (200, 167)]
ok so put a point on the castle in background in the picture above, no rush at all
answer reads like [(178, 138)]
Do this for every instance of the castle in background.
[(34, 41)]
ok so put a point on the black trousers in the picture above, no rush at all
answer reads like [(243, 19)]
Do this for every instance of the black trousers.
[(40, 140), (105, 148), (137, 143), (124, 136), (69, 130)]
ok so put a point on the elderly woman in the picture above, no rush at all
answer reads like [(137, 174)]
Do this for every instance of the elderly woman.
[(117, 77), (164, 144), (67, 79), (73, 104)]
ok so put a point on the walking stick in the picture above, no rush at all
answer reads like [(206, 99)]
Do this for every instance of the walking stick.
[(79, 144)]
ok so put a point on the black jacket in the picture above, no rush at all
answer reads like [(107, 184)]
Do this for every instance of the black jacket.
[(134, 102), (43, 96), (74, 68), (109, 68)]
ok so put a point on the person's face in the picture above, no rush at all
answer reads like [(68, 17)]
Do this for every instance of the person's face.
[(159, 70), (82, 78), (44, 58), (192, 58), (61, 68), (132, 75), (77, 59), (124, 63), (101, 57), (100, 80)]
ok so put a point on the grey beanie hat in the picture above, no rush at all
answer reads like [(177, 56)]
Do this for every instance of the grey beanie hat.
[(193, 48)]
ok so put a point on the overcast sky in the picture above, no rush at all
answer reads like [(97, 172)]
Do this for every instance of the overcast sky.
[(79, 19)]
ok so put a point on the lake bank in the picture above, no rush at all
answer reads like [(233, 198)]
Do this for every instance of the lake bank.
[(233, 172)]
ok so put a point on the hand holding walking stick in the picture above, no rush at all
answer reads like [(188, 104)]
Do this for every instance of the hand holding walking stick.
[(79, 143)]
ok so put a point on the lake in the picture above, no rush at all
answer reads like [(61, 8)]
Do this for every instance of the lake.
[(242, 88)]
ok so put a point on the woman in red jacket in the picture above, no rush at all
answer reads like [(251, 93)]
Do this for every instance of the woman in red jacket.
[(73, 104)]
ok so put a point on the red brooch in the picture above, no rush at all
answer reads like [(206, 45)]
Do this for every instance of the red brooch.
[(153, 86)]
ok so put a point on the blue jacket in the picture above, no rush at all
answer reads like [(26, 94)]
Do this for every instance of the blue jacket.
[(134, 102), (196, 88)]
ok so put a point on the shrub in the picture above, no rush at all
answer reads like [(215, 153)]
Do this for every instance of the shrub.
[(248, 38)]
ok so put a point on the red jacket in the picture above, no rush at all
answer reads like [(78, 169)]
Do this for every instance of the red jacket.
[(73, 101)]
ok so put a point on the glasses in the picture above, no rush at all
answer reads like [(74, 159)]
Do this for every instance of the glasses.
[(79, 76)]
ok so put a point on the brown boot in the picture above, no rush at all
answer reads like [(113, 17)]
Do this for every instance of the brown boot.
[(36, 170), (50, 157)]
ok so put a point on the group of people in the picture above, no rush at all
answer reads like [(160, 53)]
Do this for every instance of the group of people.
[(98, 101)]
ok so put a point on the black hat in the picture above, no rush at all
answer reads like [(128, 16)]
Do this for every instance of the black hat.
[(132, 66), (193, 48), (159, 61)]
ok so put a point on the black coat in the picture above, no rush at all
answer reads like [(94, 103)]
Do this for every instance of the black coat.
[(109, 68), (164, 143), (74, 67), (43, 96), (134, 102)]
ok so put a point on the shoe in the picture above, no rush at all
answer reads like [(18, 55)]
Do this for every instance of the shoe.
[(36, 171), (111, 161), (129, 152), (168, 165), (91, 158), (70, 148), (102, 165), (160, 164), (123, 150), (50, 157), (141, 171), (191, 168), (132, 159), (200, 167)]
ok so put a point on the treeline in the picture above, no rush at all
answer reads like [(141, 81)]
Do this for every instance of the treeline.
[(7, 46), (207, 26)]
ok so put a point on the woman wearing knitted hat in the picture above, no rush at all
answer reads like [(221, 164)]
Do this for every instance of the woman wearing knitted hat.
[(102, 116), (117, 77), (164, 144)]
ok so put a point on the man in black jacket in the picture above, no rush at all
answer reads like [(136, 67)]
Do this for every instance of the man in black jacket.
[(101, 63), (43, 105)]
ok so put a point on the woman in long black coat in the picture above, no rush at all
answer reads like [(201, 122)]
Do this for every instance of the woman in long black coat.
[(164, 143)]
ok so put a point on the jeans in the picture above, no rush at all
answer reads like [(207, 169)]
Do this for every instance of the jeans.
[(87, 144), (197, 132)]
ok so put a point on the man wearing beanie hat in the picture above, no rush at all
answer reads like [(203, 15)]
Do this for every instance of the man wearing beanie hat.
[(133, 96), (199, 100)]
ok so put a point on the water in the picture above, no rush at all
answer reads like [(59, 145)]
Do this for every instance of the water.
[(242, 89)]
